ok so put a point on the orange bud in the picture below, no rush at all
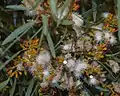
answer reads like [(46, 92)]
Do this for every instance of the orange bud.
[(12, 74), (20, 73), (9, 72), (16, 75)]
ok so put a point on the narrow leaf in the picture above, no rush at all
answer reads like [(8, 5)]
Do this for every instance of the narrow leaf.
[(63, 11), (94, 7), (45, 24), (56, 85), (36, 32), (36, 87), (13, 88), (66, 5), (4, 83), (47, 34), (51, 45), (37, 3), (61, 38), (53, 7), (3, 65), (101, 89), (30, 87), (17, 32), (11, 44), (118, 6), (16, 7), (110, 73), (21, 90), (67, 22)]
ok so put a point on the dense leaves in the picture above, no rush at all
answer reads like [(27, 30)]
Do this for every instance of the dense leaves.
[(55, 47)]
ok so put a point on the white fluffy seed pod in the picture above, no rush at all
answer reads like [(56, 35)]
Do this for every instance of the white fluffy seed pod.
[(105, 14), (80, 65), (93, 81), (113, 40), (98, 36), (43, 57), (46, 73)]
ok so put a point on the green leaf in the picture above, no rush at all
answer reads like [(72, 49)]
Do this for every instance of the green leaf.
[(41, 38), (63, 11), (67, 4), (85, 93), (118, 6), (107, 69), (101, 89), (36, 33), (3, 65), (51, 45), (47, 34), (53, 7), (4, 83), (17, 32), (21, 90), (36, 87), (13, 88), (56, 85), (30, 87), (94, 7), (82, 4), (37, 2), (61, 39), (16, 7), (45, 24), (67, 22)]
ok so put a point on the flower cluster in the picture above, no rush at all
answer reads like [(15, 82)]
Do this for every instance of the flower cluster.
[(79, 58), (110, 23), (82, 56)]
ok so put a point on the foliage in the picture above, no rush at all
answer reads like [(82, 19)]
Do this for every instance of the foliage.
[(60, 48)]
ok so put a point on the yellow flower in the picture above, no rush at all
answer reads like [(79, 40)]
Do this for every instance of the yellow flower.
[(111, 23), (93, 69), (30, 44), (60, 59)]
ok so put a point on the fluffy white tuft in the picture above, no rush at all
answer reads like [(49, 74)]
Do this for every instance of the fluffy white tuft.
[(71, 64), (105, 14), (98, 36), (67, 46), (93, 81), (43, 57), (113, 40), (107, 35), (80, 66), (46, 73)]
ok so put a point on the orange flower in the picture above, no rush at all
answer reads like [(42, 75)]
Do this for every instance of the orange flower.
[(76, 6), (60, 59), (110, 16), (15, 73), (102, 47), (50, 78), (110, 23), (30, 44)]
